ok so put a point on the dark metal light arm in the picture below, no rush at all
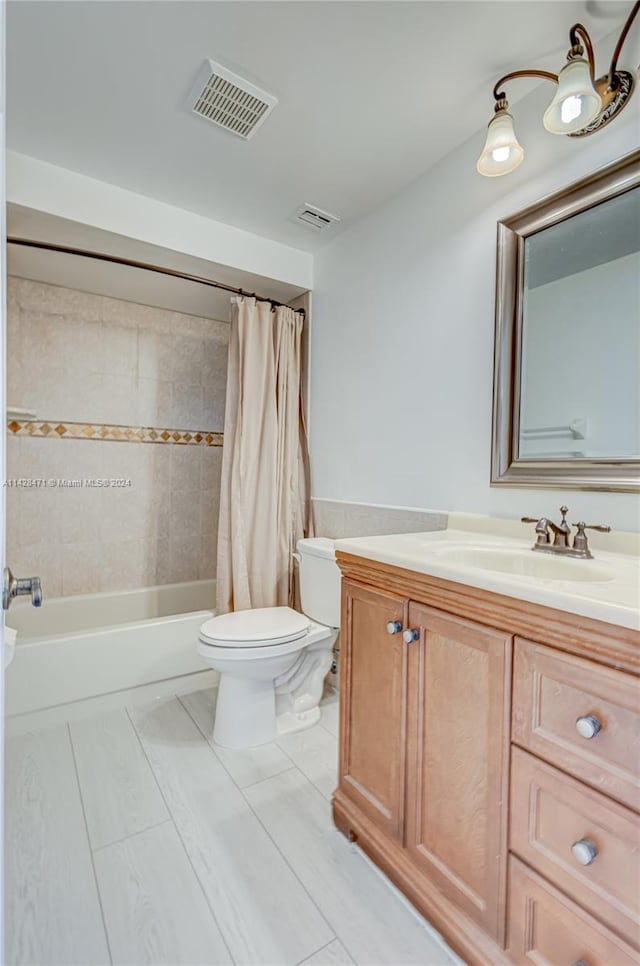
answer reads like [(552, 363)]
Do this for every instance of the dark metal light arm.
[(614, 89), (621, 39), (533, 72), (579, 32)]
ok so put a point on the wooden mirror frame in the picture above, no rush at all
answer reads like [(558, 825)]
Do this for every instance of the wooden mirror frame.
[(507, 469)]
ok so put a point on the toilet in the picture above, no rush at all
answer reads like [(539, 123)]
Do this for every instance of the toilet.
[(273, 660)]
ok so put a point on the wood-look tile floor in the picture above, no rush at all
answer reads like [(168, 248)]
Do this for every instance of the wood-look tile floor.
[(131, 839)]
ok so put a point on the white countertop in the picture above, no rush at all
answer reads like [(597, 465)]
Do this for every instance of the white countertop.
[(615, 600)]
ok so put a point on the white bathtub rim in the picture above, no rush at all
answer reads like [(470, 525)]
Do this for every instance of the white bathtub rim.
[(87, 612), (130, 592), (103, 630)]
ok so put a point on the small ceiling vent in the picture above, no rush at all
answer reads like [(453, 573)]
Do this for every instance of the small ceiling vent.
[(230, 101), (314, 217)]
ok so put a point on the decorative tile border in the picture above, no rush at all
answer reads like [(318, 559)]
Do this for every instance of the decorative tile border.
[(113, 433)]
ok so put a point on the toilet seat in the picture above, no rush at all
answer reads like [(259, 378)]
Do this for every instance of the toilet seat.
[(256, 628), (260, 651)]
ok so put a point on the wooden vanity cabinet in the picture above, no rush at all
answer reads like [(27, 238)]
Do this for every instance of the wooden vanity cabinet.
[(436, 763)]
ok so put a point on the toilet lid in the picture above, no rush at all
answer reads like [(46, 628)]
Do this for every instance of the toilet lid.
[(258, 627)]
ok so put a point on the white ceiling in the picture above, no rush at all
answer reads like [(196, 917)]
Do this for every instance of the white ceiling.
[(370, 94)]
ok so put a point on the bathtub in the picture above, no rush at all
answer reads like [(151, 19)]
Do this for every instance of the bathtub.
[(73, 648)]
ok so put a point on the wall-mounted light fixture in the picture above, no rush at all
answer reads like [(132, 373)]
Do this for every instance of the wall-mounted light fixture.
[(582, 104)]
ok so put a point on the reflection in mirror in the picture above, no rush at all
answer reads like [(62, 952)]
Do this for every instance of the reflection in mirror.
[(580, 339)]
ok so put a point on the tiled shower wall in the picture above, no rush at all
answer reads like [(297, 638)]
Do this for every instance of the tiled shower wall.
[(87, 359)]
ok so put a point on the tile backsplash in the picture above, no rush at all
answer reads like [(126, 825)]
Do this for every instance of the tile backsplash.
[(334, 518), (79, 358)]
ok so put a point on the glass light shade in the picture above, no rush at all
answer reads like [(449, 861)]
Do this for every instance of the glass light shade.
[(576, 103), (501, 153)]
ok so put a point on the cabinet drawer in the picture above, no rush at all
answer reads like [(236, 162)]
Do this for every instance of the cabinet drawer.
[(550, 813), (552, 691), (548, 929)]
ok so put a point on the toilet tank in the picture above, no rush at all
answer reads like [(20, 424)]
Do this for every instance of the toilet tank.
[(319, 580)]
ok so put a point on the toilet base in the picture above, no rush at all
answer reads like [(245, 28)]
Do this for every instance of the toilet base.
[(252, 710), (238, 730), (245, 713)]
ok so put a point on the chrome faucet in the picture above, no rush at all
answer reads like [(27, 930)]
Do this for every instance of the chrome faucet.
[(561, 533)]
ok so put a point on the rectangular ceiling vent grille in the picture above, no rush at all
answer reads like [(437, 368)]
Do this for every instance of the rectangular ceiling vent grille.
[(230, 101), (315, 218)]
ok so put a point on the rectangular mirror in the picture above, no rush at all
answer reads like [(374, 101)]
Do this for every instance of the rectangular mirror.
[(567, 360)]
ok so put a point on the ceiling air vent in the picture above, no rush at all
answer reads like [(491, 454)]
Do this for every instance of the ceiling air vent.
[(314, 217), (230, 101)]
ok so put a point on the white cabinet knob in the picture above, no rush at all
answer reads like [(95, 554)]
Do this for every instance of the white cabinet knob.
[(588, 726), (584, 851), (410, 635), (394, 627)]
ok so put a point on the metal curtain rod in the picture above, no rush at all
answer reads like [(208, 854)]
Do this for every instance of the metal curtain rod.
[(117, 260)]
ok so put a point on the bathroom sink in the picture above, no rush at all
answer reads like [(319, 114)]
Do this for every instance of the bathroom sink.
[(521, 563)]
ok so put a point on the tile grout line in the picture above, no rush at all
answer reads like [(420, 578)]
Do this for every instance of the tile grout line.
[(317, 951), (86, 828), (175, 825), (258, 781), (327, 798), (286, 861), (268, 834), (218, 758), (185, 708), (133, 835), (336, 935)]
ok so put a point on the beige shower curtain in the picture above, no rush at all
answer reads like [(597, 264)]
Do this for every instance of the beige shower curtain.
[(264, 498)]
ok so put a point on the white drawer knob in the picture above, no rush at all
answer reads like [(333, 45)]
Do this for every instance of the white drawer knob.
[(410, 635), (584, 851), (588, 726), (394, 627)]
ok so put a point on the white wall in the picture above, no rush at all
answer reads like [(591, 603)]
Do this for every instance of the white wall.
[(402, 335)]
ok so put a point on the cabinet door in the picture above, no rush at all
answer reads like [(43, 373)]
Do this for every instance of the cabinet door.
[(373, 703), (457, 761)]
